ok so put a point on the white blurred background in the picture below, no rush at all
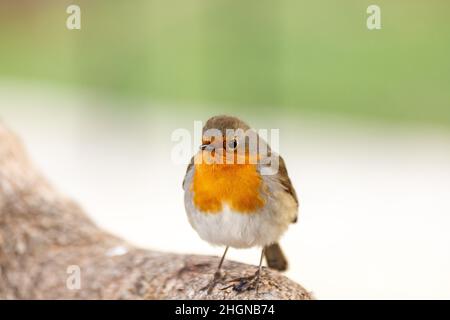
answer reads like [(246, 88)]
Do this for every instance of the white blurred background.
[(375, 198)]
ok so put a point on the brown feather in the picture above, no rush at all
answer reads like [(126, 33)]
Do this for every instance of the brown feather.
[(275, 257)]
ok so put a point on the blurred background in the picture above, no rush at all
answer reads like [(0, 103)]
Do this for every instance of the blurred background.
[(364, 119)]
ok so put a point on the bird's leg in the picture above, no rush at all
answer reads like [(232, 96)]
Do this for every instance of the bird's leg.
[(258, 272), (250, 282), (217, 274)]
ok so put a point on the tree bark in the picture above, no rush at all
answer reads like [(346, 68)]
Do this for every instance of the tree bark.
[(45, 239)]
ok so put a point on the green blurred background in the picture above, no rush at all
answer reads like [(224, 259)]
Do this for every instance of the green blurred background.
[(263, 56)]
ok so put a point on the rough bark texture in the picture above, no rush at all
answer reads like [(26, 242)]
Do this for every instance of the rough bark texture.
[(42, 233)]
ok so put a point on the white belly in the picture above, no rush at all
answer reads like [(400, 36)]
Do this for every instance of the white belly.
[(233, 229), (238, 230)]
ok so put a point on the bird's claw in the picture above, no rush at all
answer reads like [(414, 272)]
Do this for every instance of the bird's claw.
[(210, 286), (245, 283)]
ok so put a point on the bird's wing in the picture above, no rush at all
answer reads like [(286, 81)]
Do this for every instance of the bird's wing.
[(189, 169), (285, 181), (281, 177)]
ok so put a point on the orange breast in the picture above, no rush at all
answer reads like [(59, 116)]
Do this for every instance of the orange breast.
[(236, 185)]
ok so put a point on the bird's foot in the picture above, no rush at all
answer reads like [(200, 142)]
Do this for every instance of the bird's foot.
[(215, 280), (245, 283)]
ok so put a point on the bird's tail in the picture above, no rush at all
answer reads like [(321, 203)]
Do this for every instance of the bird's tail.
[(275, 257)]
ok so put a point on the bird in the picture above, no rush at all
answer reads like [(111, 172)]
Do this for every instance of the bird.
[(231, 202)]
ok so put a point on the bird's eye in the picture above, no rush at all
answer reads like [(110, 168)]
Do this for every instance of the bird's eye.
[(232, 144)]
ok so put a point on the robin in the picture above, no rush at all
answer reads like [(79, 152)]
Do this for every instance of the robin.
[(232, 203)]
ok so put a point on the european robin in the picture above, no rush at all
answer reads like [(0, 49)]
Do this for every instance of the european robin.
[(229, 199)]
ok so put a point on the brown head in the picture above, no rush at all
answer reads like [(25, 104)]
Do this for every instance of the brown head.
[(223, 123), (230, 136)]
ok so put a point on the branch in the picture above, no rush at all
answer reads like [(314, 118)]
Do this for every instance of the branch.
[(42, 233)]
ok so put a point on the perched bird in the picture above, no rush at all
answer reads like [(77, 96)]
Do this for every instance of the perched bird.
[(233, 203)]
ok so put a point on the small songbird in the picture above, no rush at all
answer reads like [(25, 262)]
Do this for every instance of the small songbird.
[(231, 202)]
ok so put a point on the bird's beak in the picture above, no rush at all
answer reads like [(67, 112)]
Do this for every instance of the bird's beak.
[(206, 147)]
